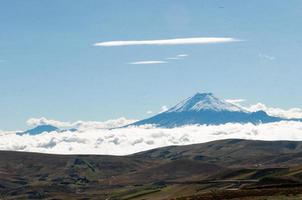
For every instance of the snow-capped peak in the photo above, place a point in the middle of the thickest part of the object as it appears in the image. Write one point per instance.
(205, 101)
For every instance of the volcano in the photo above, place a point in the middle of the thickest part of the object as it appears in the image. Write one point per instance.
(206, 108)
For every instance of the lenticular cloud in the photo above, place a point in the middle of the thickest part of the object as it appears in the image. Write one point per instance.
(123, 141)
(176, 41)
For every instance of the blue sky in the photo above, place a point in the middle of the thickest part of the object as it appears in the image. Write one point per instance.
(49, 66)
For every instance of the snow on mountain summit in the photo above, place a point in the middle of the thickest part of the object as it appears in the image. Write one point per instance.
(205, 108)
(205, 101)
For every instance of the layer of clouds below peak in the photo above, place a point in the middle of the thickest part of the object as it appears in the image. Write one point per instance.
(93, 137)
(123, 141)
(81, 125)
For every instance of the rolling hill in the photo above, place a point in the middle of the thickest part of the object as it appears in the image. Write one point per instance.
(222, 166)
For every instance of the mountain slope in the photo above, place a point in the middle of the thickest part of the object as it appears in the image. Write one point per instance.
(233, 152)
(205, 101)
(205, 108)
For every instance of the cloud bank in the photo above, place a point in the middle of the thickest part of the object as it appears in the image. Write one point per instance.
(177, 41)
(81, 125)
(292, 113)
(93, 137)
(278, 112)
(124, 141)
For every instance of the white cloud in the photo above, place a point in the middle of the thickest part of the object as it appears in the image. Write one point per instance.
(113, 123)
(129, 140)
(235, 101)
(81, 125)
(163, 109)
(292, 113)
(268, 57)
(182, 55)
(238, 102)
(174, 58)
(178, 57)
(149, 112)
(44, 121)
(3, 133)
(94, 137)
(147, 62)
(278, 112)
(177, 41)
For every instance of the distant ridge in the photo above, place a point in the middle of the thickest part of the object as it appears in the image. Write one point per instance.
(40, 129)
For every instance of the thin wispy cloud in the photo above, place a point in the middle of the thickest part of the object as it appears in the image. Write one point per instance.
(235, 101)
(174, 58)
(147, 62)
(178, 57)
(267, 57)
(177, 41)
(163, 108)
